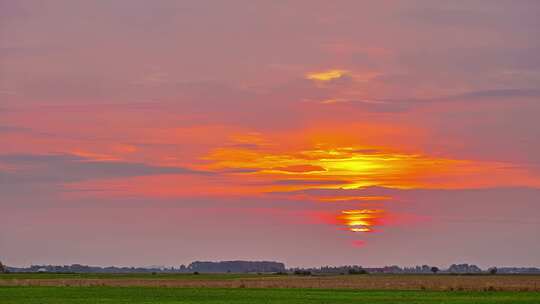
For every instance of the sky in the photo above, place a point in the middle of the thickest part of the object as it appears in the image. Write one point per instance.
(308, 132)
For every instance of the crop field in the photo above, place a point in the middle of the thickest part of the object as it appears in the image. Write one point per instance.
(359, 282)
(61, 295)
(255, 288)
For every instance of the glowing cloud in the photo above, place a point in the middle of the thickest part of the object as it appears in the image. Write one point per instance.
(358, 167)
(354, 198)
(300, 169)
(326, 75)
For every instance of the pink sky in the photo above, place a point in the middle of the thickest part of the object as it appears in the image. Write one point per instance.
(308, 132)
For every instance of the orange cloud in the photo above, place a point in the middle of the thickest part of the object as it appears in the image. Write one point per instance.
(326, 75)
(299, 169)
(360, 167)
(348, 157)
(354, 198)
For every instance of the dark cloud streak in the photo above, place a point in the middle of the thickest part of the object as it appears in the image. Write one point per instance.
(65, 168)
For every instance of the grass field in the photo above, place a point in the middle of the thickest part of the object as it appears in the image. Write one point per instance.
(61, 295)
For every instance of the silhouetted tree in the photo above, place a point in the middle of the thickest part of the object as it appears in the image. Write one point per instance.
(2, 268)
(434, 269)
(302, 272)
(492, 270)
(357, 271)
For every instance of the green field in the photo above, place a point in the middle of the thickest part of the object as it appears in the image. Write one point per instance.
(60, 295)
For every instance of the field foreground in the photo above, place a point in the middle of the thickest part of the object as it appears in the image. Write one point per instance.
(61, 295)
(359, 282)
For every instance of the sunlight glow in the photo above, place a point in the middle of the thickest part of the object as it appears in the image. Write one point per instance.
(353, 167)
(361, 220)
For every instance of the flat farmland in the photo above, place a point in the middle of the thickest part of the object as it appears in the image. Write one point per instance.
(357, 282)
(135, 295)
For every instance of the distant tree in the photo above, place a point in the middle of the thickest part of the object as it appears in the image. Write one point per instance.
(302, 272)
(3, 269)
(357, 271)
(492, 270)
(434, 269)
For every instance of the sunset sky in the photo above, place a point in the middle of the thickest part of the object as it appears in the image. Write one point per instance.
(309, 132)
